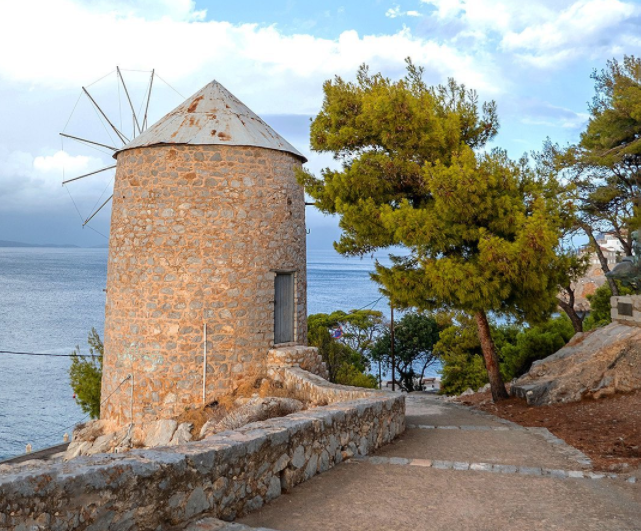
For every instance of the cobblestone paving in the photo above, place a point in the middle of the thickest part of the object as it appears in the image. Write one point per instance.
(533, 481)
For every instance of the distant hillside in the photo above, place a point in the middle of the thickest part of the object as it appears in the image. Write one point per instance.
(5, 243)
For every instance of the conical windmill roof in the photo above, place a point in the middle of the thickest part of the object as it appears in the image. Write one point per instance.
(213, 116)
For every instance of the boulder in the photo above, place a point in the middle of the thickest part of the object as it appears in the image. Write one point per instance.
(592, 365)
(89, 431)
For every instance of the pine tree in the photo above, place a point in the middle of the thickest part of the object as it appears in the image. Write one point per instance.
(478, 228)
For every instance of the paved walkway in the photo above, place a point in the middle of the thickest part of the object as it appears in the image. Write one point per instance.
(456, 468)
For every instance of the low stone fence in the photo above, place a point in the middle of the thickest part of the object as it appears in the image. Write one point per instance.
(223, 476)
(306, 358)
(626, 309)
(314, 389)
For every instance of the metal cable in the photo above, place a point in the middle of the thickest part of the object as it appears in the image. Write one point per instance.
(172, 88)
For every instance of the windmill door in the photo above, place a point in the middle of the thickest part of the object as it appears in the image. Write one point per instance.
(284, 308)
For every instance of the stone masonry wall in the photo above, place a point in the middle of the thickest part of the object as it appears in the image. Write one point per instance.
(633, 303)
(306, 358)
(224, 476)
(197, 235)
(317, 390)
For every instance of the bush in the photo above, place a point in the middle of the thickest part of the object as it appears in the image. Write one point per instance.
(532, 344)
(462, 360)
(600, 306)
(345, 364)
(85, 375)
(461, 356)
(351, 375)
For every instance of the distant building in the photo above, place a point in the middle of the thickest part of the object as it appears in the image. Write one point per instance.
(594, 278)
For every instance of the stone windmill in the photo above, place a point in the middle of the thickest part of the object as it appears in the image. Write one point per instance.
(207, 265)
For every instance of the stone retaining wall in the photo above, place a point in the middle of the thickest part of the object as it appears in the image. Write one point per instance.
(626, 309)
(223, 476)
(316, 390)
(306, 358)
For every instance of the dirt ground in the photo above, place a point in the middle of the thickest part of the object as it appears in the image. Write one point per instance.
(607, 430)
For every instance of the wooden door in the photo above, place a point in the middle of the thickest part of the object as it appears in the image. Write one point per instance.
(284, 308)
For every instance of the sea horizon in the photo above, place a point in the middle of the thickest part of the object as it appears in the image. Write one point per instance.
(50, 299)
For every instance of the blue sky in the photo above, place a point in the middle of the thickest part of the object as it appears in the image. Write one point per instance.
(534, 58)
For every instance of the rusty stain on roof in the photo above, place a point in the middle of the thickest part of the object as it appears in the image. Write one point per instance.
(212, 116)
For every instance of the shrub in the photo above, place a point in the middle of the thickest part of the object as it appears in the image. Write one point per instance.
(85, 375)
(600, 306)
(532, 344)
(351, 375)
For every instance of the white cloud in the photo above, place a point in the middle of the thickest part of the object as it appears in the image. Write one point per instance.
(70, 43)
(62, 161)
(585, 27)
(543, 33)
(395, 12)
(149, 9)
(29, 183)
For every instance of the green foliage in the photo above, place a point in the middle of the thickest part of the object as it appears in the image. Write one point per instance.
(480, 229)
(414, 339)
(459, 350)
(614, 129)
(85, 375)
(600, 306)
(351, 375)
(462, 361)
(345, 358)
(531, 344)
(607, 160)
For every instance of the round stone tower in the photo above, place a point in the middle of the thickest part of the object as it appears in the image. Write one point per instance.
(207, 267)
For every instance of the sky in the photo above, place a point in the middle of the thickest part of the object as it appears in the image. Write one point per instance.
(533, 58)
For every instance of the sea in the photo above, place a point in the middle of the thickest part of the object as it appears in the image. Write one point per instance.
(51, 298)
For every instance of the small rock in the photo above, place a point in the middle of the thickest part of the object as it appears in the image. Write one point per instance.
(160, 433)
(182, 435)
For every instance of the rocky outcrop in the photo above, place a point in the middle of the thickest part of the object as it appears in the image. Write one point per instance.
(96, 437)
(594, 364)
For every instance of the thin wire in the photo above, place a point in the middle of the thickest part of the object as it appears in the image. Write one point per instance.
(172, 88)
(103, 124)
(119, 102)
(73, 110)
(144, 98)
(103, 77)
(367, 305)
(93, 208)
(45, 354)
(74, 203)
(134, 70)
(110, 153)
(97, 232)
(87, 415)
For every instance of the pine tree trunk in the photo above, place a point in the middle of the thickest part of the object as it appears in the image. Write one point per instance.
(602, 260)
(491, 359)
(568, 308)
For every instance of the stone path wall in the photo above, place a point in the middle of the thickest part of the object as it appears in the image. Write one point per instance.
(306, 358)
(316, 390)
(223, 476)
